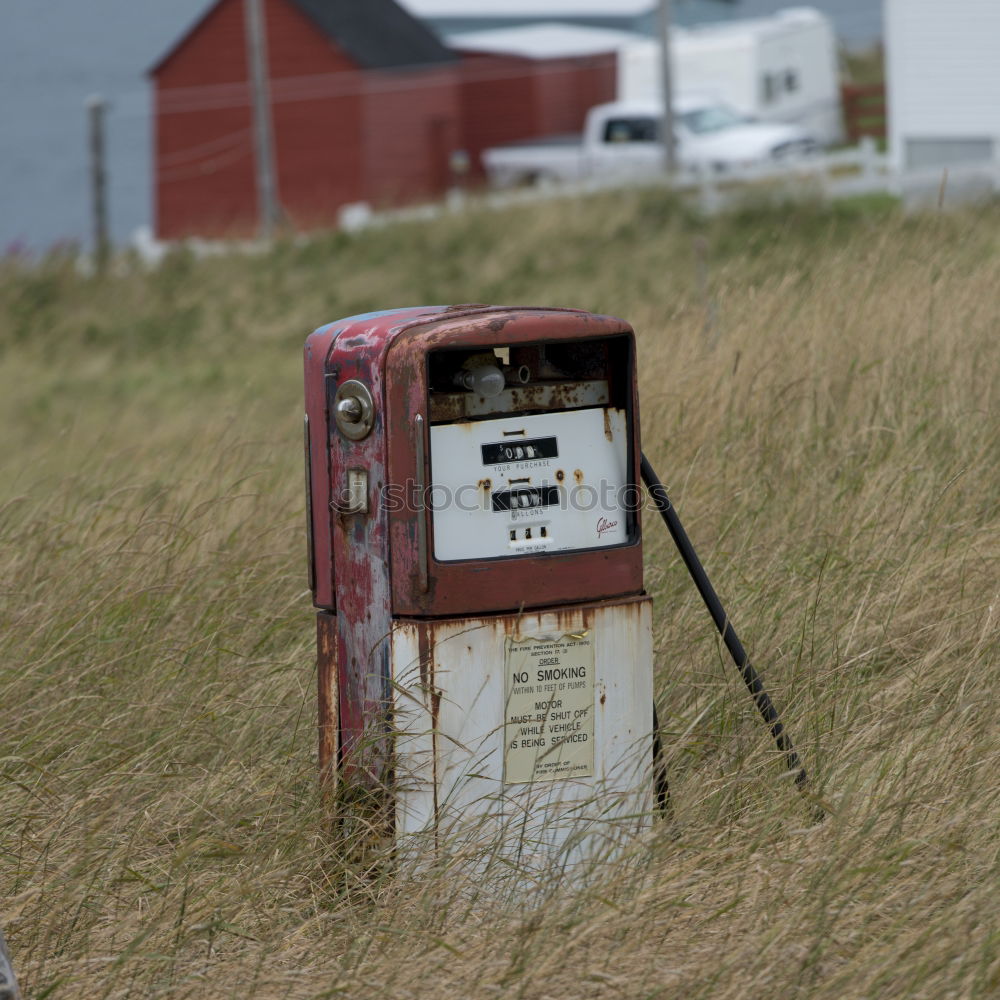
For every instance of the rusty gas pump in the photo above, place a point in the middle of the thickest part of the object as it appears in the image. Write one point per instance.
(484, 639)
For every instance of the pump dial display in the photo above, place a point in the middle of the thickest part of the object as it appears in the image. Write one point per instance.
(521, 485)
(519, 451)
(526, 498)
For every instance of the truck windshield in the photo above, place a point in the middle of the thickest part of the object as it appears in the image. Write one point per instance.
(713, 118)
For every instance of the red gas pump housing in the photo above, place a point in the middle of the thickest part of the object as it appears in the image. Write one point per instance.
(391, 398)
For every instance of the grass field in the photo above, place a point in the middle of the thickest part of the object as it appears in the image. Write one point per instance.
(822, 399)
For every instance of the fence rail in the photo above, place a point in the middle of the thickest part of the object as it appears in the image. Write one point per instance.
(844, 173)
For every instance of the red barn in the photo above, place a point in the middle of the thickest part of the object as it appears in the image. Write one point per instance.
(366, 105)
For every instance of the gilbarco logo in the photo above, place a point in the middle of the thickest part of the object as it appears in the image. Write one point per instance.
(604, 525)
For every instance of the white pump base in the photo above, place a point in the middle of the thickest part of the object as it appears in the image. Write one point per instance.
(526, 737)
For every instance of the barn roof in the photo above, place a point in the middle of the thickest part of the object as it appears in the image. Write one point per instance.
(549, 9)
(376, 34)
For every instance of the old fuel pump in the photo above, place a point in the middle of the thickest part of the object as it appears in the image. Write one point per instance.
(484, 640)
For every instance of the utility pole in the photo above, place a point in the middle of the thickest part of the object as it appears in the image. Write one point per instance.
(267, 197)
(667, 90)
(96, 106)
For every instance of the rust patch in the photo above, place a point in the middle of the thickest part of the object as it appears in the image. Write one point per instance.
(497, 324)
(604, 697)
(560, 475)
(578, 475)
(607, 424)
(425, 652)
(486, 484)
(446, 407)
(328, 701)
(568, 617)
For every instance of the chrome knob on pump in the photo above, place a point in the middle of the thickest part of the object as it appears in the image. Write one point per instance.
(354, 410)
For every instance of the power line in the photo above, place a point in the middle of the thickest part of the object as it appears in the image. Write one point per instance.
(210, 166)
(204, 148)
(348, 83)
(345, 83)
(232, 147)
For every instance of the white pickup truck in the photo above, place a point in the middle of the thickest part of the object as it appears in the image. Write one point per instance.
(622, 138)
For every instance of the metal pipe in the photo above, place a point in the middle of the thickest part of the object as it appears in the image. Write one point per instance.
(658, 493)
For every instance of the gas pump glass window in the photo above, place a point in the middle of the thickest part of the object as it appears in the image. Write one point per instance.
(530, 449)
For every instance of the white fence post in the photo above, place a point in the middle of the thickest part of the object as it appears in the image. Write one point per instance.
(868, 157)
(708, 195)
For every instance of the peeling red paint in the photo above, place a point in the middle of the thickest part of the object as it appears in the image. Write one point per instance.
(350, 551)
(326, 682)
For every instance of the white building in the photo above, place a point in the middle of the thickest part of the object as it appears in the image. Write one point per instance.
(943, 82)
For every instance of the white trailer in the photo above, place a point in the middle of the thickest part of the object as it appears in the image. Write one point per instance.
(779, 69)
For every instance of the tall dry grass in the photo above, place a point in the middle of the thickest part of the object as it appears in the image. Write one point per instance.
(832, 445)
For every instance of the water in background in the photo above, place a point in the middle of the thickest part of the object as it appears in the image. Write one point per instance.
(55, 53)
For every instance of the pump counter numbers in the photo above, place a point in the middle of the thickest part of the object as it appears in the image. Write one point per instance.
(526, 498)
(521, 451)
